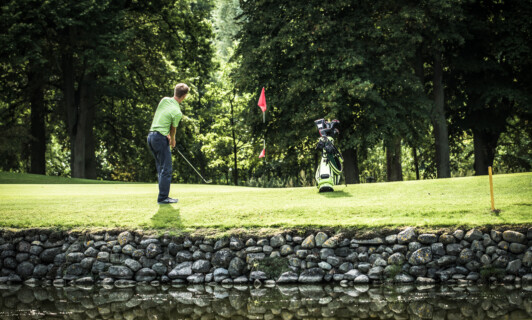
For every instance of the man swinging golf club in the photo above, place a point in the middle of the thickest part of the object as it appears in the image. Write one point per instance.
(162, 137)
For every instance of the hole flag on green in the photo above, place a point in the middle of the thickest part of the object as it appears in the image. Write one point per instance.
(262, 101)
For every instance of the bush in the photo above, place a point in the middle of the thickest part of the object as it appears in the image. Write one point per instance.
(272, 267)
(490, 271)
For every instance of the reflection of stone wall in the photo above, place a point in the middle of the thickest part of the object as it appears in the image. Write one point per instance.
(282, 302)
(402, 257)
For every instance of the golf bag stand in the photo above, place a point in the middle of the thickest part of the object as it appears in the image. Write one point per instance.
(331, 163)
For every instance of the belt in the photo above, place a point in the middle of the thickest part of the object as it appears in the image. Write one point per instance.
(155, 132)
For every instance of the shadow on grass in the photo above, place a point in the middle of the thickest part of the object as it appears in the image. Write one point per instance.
(167, 217)
(336, 194)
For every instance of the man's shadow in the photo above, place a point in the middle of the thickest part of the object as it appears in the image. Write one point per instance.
(335, 194)
(167, 217)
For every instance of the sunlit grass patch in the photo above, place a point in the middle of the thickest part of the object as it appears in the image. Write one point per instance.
(39, 201)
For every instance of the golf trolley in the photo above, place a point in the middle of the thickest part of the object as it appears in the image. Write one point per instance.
(331, 164)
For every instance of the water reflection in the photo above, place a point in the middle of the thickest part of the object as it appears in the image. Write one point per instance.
(283, 302)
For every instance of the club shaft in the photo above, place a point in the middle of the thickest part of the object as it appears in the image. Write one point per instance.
(190, 164)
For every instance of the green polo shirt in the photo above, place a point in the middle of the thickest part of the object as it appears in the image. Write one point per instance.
(168, 113)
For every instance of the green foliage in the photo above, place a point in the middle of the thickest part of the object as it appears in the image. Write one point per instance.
(487, 272)
(12, 152)
(513, 152)
(393, 271)
(272, 267)
(368, 64)
(173, 48)
(225, 27)
(227, 144)
(57, 158)
(490, 80)
(128, 54)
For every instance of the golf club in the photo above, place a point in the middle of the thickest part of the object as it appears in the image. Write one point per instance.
(206, 181)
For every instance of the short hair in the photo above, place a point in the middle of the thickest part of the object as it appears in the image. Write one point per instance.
(180, 90)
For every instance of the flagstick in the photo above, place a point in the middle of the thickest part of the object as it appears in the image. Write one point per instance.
(264, 141)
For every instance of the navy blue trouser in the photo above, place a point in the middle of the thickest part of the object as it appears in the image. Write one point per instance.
(160, 147)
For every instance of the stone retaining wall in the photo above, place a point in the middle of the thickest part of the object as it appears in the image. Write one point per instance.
(403, 257)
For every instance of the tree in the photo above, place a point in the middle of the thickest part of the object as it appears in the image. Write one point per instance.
(107, 63)
(344, 60)
(227, 142)
(26, 54)
(491, 74)
(441, 27)
(310, 57)
(171, 45)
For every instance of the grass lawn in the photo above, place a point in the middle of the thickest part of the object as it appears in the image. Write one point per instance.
(38, 201)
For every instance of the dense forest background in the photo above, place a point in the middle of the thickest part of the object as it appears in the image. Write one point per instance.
(423, 89)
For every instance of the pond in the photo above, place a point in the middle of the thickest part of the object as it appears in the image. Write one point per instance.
(278, 302)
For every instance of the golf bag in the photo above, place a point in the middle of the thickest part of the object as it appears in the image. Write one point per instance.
(331, 163)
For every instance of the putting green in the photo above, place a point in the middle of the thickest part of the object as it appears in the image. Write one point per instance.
(427, 203)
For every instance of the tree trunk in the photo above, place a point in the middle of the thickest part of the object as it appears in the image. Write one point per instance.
(90, 148)
(416, 162)
(419, 69)
(88, 110)
(199, 155)
(394, 171)
(487, 123)
(79, 112)
(235, 149)
(352, 173)
(82, 127)
(420, 73)
(69, 103)
(38, 128)
(439, 122)
(484, 144)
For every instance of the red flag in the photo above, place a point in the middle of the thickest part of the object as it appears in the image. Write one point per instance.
(262, 101)
(263, 153)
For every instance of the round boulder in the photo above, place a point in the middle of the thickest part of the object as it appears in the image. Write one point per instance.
(277, 241)
(427, 238)
(421, 256)
(124, 238)
(222, 258)
(313, 275)
(201, 266)
(120, 272)
(146, 275)
(466, 256)
(514, 236)
(309, 242)
(25, 269)
(152, 250)
(406, 236)
(236, 267)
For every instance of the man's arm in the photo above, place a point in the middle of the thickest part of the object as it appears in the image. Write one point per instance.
(171, 136)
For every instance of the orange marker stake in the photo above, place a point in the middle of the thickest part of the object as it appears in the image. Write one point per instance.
(491, 189)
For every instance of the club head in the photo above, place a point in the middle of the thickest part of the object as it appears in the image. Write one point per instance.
(208, 181)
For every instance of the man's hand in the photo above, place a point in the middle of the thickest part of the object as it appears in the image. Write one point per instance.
(171, 140)
(171, 136)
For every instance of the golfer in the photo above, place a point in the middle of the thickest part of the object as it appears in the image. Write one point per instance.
(162, 137)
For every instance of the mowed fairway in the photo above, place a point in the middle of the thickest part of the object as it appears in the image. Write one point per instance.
(39, 201)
